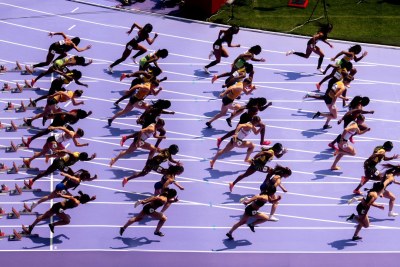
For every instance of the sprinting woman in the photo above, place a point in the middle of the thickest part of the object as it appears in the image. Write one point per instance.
(224, 36)
(140, 140)
(150, 205)
(59, 210)
(252, 210)
(260, 160)
(61, 48)
(322, 35)
(241, 132)
(134, 44)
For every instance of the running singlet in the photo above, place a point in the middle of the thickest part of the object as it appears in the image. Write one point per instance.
(147, 135)
(264, 158)
(235, 91)
(243, 133)
(375, 160)
(61, 137)
(68, 160)
(349, 134)
(335, 88)
(62, 98)
(143, 91)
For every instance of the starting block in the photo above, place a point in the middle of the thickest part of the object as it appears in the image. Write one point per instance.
(2, 212)
(10, 107)
(6, 88)
(13, 147)
(17, 236)
(16, 191)
(16, 214)
(25, 168)
(3, 167)
(3, 191)
(12, 128)
(13, 170)
(27, 188)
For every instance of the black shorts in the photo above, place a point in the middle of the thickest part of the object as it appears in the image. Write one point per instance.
(55, 48)
(56, 208)
(148, 209)
(226, 101)
(134, 99)
(371, 173)
(133, 44)
(250, 211)
(245, 118)
(327, 99)
(361, 209)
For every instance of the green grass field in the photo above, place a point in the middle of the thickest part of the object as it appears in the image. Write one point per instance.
(371, 21)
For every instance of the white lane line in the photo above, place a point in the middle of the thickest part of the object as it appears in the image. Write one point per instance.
(161, 34)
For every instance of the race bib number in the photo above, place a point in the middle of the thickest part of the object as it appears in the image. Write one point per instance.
(239, 143)
(376, 173)
(217, 47)
(253, 212)
(129, 47)
(345, 146)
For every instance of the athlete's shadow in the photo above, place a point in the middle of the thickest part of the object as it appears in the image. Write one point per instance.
(326, 154)
(119, 174)
(301, 113)
(114, 131)
(45, 241)
(345, 198)
(342, 244)
(321, 174)
(232, 197)
(215, 94)
(310, 133)
(117, 73)
(208, 132)
(202, 75)
(211, 114)
(135, 196)
(291, 75)
(134, 242)
(233, 244)
(216, 174)
(374, 220)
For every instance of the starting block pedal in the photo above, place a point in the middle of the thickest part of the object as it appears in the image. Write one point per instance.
(28, 86)
(10, 107)
(27, 188)
(3, 167)
(12, 128)
(17, 214)
(13, 147)
(17, 236)
(2, 213)
(3, 191)
(1, 126)
(16, 191)
(6, 88)
(25, 168)
(13, 170)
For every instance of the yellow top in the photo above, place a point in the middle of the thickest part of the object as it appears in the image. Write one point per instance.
(63, 98)
(235, 90)
(143, 91)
